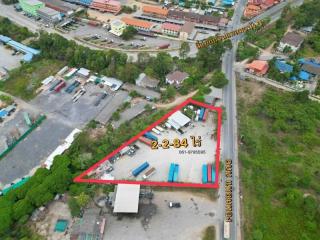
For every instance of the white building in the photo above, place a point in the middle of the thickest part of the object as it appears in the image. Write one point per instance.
(178, 120)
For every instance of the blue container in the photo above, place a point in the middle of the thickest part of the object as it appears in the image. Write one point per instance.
(171, 172)
(176, 173)
(204, 174)
(201, 114)
(150, 136)
(139, 169)
(213, 173)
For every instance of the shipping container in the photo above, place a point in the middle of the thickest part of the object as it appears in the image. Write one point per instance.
(176, 173)
(160, 128)
(156, 131)
(60, 86)
(149, 173)
(54, 84)
(27, 119)
(139, 169)
(171, 172)
(226, 230)
(168, 125)
(201, 114)
(206, 112)
(204, 174)
(164, 46)
(209, 173)
(213, 173)
(150, 136)
(145, 140)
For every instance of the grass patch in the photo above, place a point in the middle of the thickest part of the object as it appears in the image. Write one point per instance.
(279, 155)
(209, 233)
(245, 51)
(24, 81)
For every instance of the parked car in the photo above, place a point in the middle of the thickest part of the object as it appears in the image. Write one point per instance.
(174, 205)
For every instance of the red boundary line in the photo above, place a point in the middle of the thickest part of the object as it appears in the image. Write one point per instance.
(79, 179)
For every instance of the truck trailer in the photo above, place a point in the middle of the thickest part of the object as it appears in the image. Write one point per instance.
(171, 172)
(156, 131)
(54, 84)
(60, 86)
(213, 174)
(149, 173)
(226, 230)
(139, 169)
(145, 140)
(201, 114)
(209, 173)
(204, 173)
(150, 136)
(176, 173)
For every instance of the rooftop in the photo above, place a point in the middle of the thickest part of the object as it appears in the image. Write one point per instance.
(136, 22)
(155, 10)
(127, 198)
(177, 76)
(283, 66)
(293, 39)
(48, 11)
(171, 26)
(259, 65)
(187, 27)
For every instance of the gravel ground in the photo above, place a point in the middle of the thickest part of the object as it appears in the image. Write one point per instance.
(190, 164)
(156, 221)
(7, 60)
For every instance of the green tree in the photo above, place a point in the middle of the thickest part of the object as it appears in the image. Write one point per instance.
(169, 93)
(219, 80)
(21, 208)
(5, 215)
(128, 33)
(184, 50)
(82, 200)
(162, 65)
(74, 207)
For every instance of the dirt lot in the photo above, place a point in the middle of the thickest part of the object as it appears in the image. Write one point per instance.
(57, 210)
(190, 162)
(157, 221)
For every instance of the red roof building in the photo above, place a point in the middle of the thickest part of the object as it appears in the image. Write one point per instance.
(155, 11)
(171, 29)
(111, 6)
(258, 67)
(138, 24)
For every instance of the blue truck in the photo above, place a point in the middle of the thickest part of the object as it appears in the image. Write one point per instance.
(204, 173)
(176, 173)
(150, 136)
(171, 172)
(139, 169)
(72, 86)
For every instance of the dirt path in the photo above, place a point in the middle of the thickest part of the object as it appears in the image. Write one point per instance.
(177, 101)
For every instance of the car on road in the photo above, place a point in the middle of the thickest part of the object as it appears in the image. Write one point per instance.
(174, 205)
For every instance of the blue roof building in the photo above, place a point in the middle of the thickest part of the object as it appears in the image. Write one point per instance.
(304, 76)
(283, 66)
(3, 113)
(228, 2)
(29, 52)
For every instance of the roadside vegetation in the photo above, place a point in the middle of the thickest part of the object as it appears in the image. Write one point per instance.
(209, 233)
(15, 32)
(245, 51)
(17, 206)
(279, 156)
(24, 81)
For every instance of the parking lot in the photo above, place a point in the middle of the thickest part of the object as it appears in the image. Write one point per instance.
(7, 60)
(190, 162)
(79, 113)
(157, 221)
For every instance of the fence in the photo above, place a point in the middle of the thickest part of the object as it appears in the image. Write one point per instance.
(23, 136)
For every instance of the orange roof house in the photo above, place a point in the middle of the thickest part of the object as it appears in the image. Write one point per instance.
(258, 67)
(252, 11)
(157, 11)
(136, 23)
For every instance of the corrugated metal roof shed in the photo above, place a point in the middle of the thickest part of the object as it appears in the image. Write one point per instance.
(127, 198)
